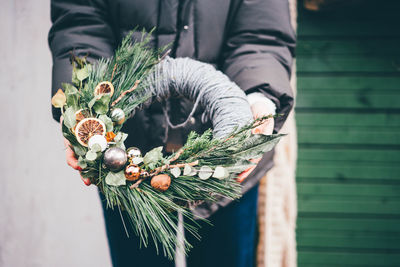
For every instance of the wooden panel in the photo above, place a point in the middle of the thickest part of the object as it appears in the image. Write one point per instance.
(359, 47)
(348, 259)
(347, 154)
(348, 170)
(349, 239)
(348, 117)
(315, 204)
(348, 135)
(349, 82)
(343, 63)
(382, 225)
(369, 119)
(313, 25)
(358, 190)
(363, 99)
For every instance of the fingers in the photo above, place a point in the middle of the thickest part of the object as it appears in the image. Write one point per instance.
(73, 161)
(243, 175)
(266, 128)
(259, 110)
(70, 155)
(86, 181)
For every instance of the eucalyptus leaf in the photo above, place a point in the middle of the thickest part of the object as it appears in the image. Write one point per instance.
(69, 117)
(96, 148)
(121, 145)
(92, 101)
(176, 172)
(108, 122)
(137, 160)
(220, 173)
(120, 137)
(91, 155)
(153, 157)
(101, 104)
(69, 88)
(205, 172)
(115, 178)
(72, 95)
(189, 170)
(75, 79)
(79, 150)
(82, 74)
(81, 162)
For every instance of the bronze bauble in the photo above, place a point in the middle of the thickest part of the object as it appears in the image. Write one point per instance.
(132, 172)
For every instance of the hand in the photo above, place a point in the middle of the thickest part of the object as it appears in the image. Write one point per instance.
(259, 110)
(72, 160)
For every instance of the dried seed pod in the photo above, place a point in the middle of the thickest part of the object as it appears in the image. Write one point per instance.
(161, 182)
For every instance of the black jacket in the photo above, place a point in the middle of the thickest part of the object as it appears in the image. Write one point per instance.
(251, 41)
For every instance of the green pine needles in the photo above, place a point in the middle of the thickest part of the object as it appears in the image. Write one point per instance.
(151, 189)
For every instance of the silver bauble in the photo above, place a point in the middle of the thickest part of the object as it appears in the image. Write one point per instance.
(117, 115)
(133, 152)
(115, 158)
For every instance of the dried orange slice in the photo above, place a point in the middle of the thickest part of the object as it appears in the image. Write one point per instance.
(81, 114)
(104, 88)
(88, 127)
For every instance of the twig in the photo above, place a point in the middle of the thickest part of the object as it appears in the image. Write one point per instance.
(177, 155)
(138, 182)
(125, 92)
(112, 74)
(164, 56)
(167, 166)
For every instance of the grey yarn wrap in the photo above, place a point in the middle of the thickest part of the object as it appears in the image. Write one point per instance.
(225, 104)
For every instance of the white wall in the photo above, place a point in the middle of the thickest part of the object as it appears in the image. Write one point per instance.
(47, 216)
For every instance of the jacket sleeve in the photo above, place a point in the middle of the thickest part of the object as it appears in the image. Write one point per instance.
(81, 27)
(259, 50)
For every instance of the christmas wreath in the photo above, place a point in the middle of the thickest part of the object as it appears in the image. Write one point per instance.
(151, 188)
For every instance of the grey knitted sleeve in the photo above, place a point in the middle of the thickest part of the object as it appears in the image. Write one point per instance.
(224, 102)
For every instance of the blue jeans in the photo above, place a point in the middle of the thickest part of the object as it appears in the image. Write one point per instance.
(230, 242)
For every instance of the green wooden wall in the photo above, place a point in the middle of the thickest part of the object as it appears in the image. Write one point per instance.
(348, 118)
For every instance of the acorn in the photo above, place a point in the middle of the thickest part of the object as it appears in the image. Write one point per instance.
(161, 182)
(132, 172)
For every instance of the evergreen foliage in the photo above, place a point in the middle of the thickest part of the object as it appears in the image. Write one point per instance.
(205, 169)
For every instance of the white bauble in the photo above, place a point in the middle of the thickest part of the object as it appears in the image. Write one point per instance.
(98, 139)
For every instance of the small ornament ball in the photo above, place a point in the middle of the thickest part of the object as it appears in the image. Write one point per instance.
(98, 139)
(132, 172)
(133, 152)
(115, 158)
(118, 116)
